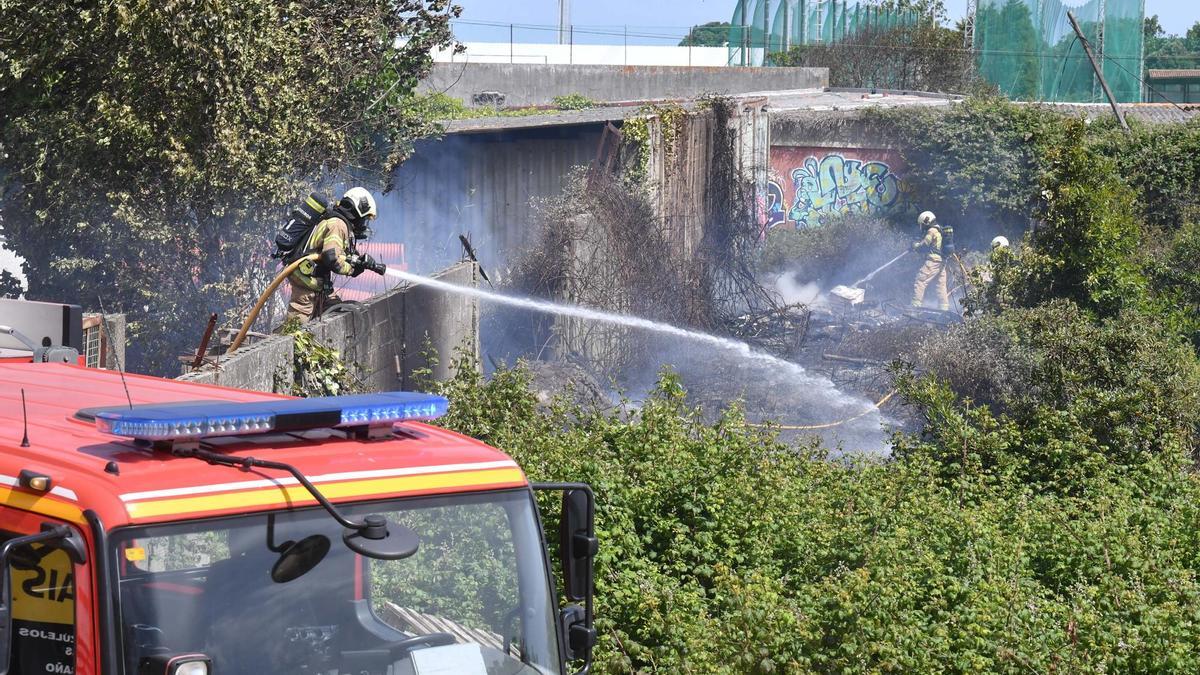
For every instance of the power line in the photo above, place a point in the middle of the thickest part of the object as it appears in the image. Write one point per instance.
(1144, 83)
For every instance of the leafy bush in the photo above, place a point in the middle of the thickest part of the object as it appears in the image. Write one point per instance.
(976, 164)
(1086, 244)
(1162, 164)
(318, 370)
(1175, 280)
(159, 171)
(573, 102)
(724, 551)
(1086, 395)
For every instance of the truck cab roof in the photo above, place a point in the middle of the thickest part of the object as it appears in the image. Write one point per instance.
(125, 482)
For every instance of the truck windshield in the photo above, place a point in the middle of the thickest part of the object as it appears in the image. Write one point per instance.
(477, 590)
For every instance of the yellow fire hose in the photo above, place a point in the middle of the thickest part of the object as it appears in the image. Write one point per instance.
(262, 300)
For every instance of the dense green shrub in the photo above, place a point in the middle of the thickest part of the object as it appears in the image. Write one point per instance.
(976, 164)
(725, 551)
(1085, 395)
(574, 102)
(1086, 244)
(1162, 163)
(1175, 280)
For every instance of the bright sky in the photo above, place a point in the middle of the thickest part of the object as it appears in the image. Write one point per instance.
(672, 17)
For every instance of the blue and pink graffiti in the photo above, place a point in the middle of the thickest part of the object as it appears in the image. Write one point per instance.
(835, 185)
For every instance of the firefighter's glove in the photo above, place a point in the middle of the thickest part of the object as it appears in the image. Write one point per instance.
(357, 264)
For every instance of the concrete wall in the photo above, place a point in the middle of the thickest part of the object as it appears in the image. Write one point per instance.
(384, 336)
(827, 163)
(613, 55)
(678, 172)
(482, 185)
(531, 84)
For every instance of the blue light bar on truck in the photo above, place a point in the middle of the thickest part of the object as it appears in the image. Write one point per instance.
(203, 419)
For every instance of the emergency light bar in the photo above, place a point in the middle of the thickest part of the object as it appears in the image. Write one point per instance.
(204, 419)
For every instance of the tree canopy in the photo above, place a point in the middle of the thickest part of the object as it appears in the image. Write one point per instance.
(1171, 51)
(147, 150)
(711, 34)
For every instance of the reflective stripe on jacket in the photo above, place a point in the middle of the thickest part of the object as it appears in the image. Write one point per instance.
(331, 234)
(931, 244)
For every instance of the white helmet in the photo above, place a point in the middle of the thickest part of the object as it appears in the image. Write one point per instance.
(1000, 242)
(926, 219)
(360, 202)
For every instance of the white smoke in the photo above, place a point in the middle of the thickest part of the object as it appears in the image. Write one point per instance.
(792, 291)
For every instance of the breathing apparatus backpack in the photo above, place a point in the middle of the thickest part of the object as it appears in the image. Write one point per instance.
(947, 240)
(289, 242)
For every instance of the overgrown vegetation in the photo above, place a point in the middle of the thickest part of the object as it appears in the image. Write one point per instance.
(1042, 518)
(318, 370)
(981, 164)
(148, 150)
(937, 560)
(924, 56)
(573, 102)
(443, 107)
(605, 244)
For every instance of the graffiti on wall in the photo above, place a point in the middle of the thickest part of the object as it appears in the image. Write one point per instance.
(803, 192)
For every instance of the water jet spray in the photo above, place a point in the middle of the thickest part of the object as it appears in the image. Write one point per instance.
(795, 375)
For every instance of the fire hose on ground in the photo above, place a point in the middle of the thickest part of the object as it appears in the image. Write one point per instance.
(262, 300)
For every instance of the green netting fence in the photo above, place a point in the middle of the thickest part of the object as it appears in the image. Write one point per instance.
(760, 28)
(1025, 47)
(1029, 50)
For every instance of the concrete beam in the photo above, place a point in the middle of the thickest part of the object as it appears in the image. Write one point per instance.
(536, 84)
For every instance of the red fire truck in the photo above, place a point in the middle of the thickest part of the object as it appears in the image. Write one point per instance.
(156, 527)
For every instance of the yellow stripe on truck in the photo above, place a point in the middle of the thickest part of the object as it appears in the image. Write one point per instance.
(296, 494)
(18, 499)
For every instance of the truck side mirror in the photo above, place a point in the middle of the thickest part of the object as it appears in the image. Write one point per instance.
(577, 543)
(52, 536)
(577, 549)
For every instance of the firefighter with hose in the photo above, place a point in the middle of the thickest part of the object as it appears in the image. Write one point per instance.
(936, 244)
(333, 239)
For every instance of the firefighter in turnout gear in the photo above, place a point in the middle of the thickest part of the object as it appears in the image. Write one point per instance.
(934, 270)
(333, 238)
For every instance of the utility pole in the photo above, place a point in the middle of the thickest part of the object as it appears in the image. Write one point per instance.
(803, 28)
(564, 20)
(969, 25)
(1099, 73)
(766, 45)
(787, 28)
